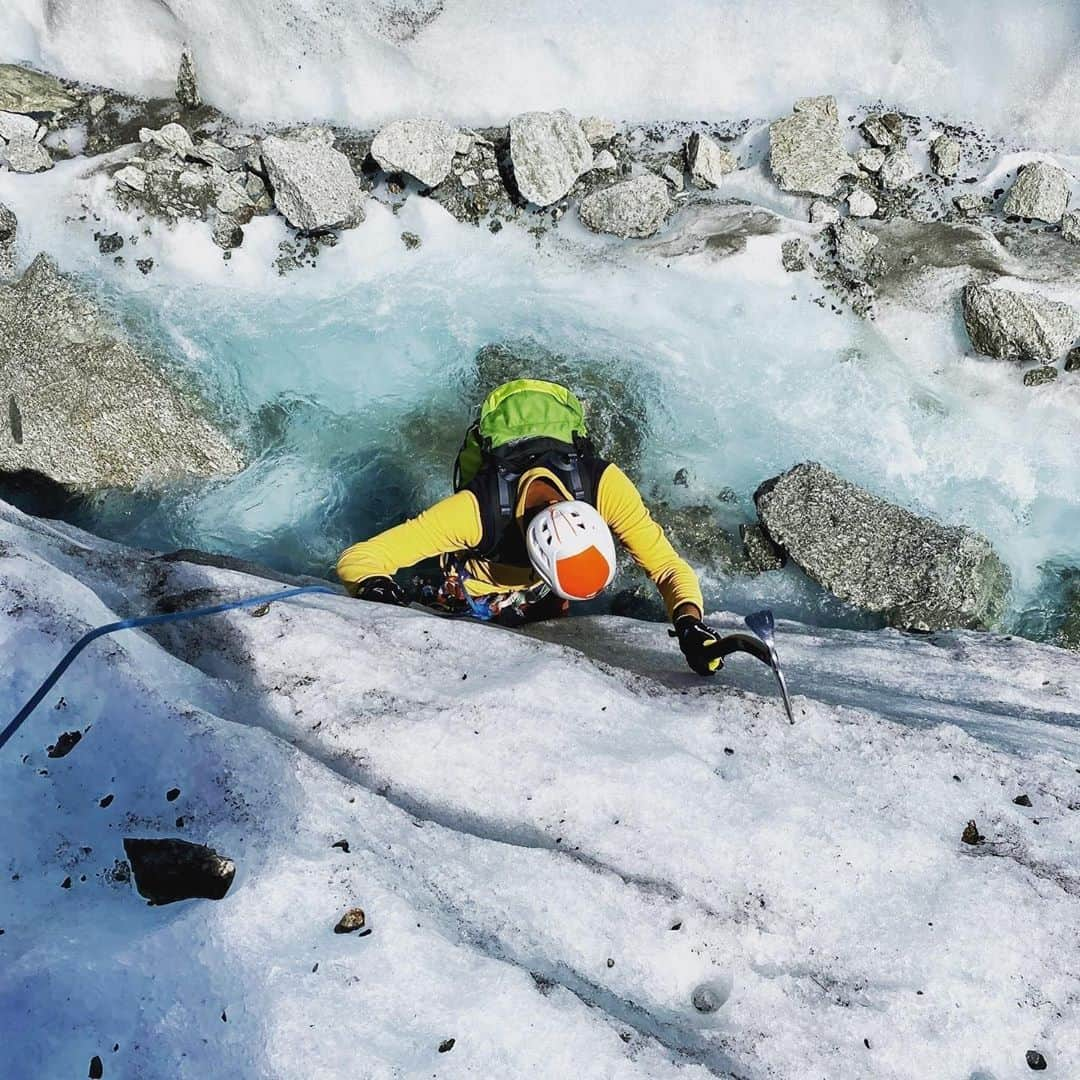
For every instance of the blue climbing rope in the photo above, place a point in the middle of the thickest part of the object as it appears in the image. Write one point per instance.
(137, 623)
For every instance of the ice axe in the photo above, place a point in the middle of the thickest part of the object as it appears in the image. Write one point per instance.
(762, 645)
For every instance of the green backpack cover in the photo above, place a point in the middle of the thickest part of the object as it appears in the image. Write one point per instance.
(519, 412)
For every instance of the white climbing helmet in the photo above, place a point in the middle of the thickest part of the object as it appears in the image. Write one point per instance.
(571, 548)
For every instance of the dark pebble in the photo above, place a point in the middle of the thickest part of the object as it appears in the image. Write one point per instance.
(172, 794)
(224, 1018)
(610, 962)
(728, 750)
(446, 1045)
(97, 1070)
(676, 925)
(1035, 1060)
(1022, 800)
(66, 883)
(866, 1043)
(971, 834)
(106, 802)
(167, 870)
(343, 844)
(65, 744)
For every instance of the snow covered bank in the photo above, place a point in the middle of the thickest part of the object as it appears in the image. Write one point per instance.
(1011, 67)
(555, 842)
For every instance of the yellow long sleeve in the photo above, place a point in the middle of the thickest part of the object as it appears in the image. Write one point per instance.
(621, 506)
(452, 524)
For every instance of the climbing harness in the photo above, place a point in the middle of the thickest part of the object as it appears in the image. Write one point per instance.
(139, 622)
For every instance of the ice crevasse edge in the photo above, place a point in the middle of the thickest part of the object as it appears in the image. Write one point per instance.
(1012, 68)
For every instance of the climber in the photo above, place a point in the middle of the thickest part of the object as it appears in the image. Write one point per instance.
(529, 526)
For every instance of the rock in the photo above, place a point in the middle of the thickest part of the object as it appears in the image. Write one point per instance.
(8, 227)
(761, 553)
(706, 162)
(898, 169)
(549, 151)
(793, 254)
(1070, 226)
(1041, 191)
(919, 574)
(970, 205)
(1040, 376)
(806, 149)
(870, 159)
(25, 155)
(1022, 800)
(313, 184)
(109, 243)
(673, 176)
(172, 138)
(636, 207)
(823, 213)
(26, 91)
(353, 920)
(971, 834)
(94, 413)
(604, 162)
(167, 870)
(945, 156)
(187, 87)
(227, 233)
(422, 148)
(63, 746)
(410, 240)
(598, 132)
(130, 177)
(446, 1046)
(861, 203)
(213, 154)
(854, 249)
(1072, 360)
(97, 1069)
(14, 124)
(144, 265)
(1014, 325)
(883, 130)
(1035, 1060)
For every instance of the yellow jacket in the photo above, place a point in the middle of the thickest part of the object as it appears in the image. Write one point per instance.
(455, 525)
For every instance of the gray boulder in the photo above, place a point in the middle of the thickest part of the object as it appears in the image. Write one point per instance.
(1070, 226)
(883, 130)
(313, 184)
(919, 574)
(83, 407)
(422, 148)
(945, 156)
(187, 86)
(707, 162)
(855, 249)
(870, 158)
(1041, 191)
(548, 151)
(25, 155)
(597, 130)
(26, 91)
(636, 207)
(1018, 326)
(13, 124)
(806, 149)
(898, 169)
(861, 203)
(760, 552)
(794, 254)
(8, 227)
(172, 138)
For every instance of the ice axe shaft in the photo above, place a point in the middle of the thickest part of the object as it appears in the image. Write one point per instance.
(762, 626)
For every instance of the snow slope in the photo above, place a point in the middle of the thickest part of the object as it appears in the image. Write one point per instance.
(556, 840)
(1011, 67)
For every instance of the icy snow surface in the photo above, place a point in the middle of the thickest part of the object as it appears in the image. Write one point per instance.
(555, 843)
(1009, 66)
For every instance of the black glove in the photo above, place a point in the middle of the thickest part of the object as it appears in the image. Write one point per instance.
(382, 590)
(700, 644)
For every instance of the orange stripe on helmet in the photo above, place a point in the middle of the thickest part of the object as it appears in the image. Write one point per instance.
(583, 575)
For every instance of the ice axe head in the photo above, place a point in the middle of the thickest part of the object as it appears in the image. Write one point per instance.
(761, 625)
